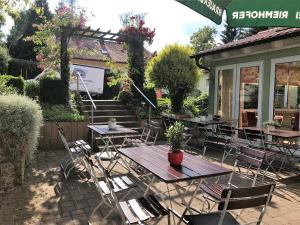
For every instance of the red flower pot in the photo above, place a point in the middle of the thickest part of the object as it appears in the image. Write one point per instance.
(175, 158)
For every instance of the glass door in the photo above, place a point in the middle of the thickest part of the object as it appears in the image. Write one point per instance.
(248, 96)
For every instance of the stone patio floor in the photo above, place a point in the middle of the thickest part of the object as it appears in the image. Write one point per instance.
(47, 198)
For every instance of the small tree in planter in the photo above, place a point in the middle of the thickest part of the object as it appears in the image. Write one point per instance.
(175, 139)
(174, 70)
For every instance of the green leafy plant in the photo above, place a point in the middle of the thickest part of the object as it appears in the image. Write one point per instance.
(174, 70)
(21, 119)
(196, 106)
(61, 113)
(272, 123)
(32, 89)
(15, 82)
(175, 136)
(52, 91)
(4, 57)
(113, 120)
(6, 90)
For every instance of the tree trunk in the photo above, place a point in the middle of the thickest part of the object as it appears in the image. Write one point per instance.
(64, 61)
(176, 101)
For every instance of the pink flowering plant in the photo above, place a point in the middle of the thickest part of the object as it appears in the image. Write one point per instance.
(133, 28)
(47, 37)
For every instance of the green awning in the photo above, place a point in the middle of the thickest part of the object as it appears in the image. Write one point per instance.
(249, 13)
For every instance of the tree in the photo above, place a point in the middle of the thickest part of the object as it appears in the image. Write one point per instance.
(25, 26)
(174, 70)
(52, 41)
(230, 34)
(3, 60)
(203, 38)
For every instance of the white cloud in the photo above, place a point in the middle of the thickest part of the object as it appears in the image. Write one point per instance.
(173, 21)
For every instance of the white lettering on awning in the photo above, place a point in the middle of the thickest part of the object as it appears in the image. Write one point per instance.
(261, 14)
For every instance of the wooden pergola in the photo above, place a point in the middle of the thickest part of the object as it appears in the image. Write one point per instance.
(98, 34)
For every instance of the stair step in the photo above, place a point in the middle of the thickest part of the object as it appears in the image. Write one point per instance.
(118, 118)
(104, 107)
(129, 124)
(110, 113)
(102, 102)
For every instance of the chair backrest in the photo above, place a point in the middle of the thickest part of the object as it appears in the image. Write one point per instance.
(250, 160)
(249, 197)
(255, 137)
(226, 130)
(154, 129)
(168, 121)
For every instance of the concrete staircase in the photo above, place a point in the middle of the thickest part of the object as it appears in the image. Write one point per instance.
(107, 109)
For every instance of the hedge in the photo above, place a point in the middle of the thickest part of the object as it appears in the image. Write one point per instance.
(52, 91)
(32, 89)
(20, 122)
(4, 56)
(28, 69)
(15, 82)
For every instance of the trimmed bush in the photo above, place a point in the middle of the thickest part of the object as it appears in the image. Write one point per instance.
(60, 113)
(4, 56)
(15, 82)
(20, 122)
(52, 91)
(174, 70)
(163, 104)
(28, 69)
(32, 89)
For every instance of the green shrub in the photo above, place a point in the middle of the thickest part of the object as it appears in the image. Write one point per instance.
(151, 95)
(20, 122)
(60, 113)
(6, 90)
(15, 82)
(28, 69)
(4, 56)
(52, 91)
(126, 97)
(32, 89)
(196, 106)
(174, 70)
(164, 104)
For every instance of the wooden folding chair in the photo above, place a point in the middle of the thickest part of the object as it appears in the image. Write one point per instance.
(234, 199)
(246, 169)
(75, 153)
(132, 211)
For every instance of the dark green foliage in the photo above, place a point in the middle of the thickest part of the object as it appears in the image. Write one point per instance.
(15, 82)
(136, 70)
(52, 91)
(32, 89)
(28, 69)
(125, 96)
(3, 60)
(151, 95)
(61, 113)
(230, 34)
(175, 136)
(18, 47)
(196, 106)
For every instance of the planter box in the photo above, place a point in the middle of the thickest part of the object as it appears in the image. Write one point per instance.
(50, 138)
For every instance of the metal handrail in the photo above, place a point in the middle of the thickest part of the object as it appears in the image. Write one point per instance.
(145, 97)
(87, 91)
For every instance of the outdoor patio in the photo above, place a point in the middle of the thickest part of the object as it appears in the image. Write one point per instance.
(48, 198)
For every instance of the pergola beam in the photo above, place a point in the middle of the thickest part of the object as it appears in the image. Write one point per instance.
(98, 34)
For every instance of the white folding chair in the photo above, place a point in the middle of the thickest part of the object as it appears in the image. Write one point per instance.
(75, 153)
(132, 211)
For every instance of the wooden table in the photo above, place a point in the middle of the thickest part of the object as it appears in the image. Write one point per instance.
(110, 150)
(155, 160)
(280, 133)
(196, 120)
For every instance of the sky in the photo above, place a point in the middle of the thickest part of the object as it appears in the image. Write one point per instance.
(174, 22)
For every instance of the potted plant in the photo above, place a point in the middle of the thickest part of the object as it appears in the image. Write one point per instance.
(112, 123)
(175, 139)
(271, 125)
